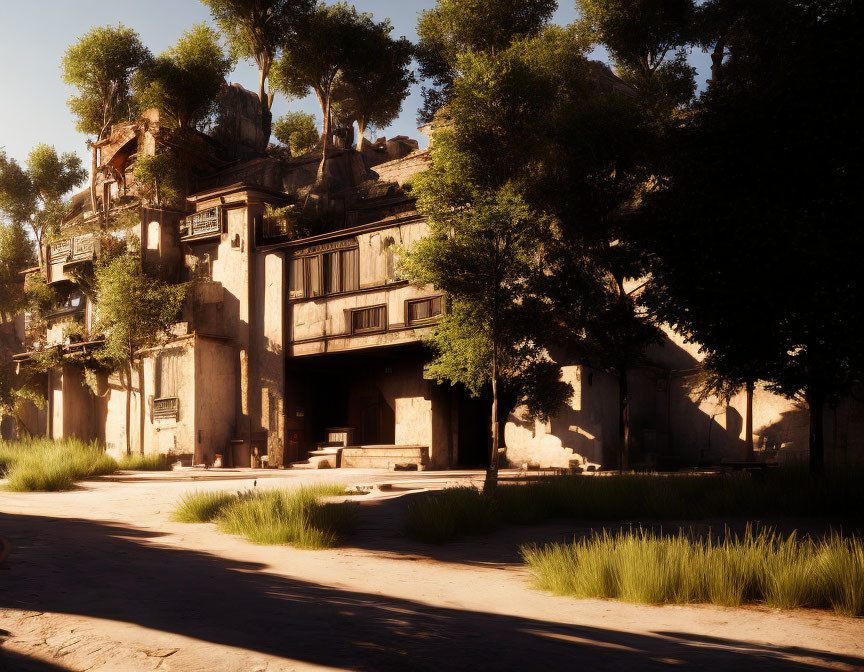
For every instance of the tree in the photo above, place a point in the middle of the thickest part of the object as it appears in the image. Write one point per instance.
(17, 390)
(35, 196)
(133, 311)
(16, 254)
(647, 40)
(157, 178)
(328, 42)
(482, 250)
(100, 66)
(297, 131)
(255, 30)
(456, 27)
(776, 294)
(184, 82)
(372, 85)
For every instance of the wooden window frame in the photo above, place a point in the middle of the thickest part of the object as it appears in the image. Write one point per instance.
(323, 274)
(375, 330)
(425, 320)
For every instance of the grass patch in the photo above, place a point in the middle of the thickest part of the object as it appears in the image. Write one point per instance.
(295, 516)
(201, 506)
(443, 515)
(149, 462)
(763, 567)
(45, 465)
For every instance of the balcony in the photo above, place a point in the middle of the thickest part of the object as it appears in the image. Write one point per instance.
(73, 250)
(204, 224)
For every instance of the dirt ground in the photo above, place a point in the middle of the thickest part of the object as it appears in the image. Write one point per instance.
(100, 579)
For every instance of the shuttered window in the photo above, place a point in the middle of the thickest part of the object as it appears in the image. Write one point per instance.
(320, 274)
(422, 309)
(368, 319)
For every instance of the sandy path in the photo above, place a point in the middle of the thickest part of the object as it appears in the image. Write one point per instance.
(100, 579)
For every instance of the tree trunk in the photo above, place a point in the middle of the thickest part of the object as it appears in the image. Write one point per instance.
(816, 402)
(749, 421)
(141, 418)
(325, 135)
(266, 100)
(492, 471)
(717, 55)
(623, 422)
(128, 409)
(361, 129)
(93, 178)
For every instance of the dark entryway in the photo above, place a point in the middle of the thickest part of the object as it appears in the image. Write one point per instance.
(474, 429)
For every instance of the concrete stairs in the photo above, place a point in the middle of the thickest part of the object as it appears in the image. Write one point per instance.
(323, 458)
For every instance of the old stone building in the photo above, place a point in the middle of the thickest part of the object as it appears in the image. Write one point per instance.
(304, 345)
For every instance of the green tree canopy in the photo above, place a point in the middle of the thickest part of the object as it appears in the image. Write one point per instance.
(297, 131)
(327, 42)
(34, 196)
(255, 30)
(184, 81)
(16, 254)
(372, 85)
(133, 311)
(455, 27)
(100, 66)
(647, 40)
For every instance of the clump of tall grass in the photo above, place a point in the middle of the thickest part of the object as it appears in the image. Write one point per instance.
(649, 568)
(439, 516)
(295, 516)
(201, 506)
(40, 464)
(784, 491)
(148, 462)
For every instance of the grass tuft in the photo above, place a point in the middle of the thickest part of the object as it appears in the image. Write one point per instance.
(149, 462)
(295, 516)
(44, 465)
(644, 567)
(201, 506)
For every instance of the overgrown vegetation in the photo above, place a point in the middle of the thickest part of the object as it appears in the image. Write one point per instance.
(761, 567)
(149, 462)
(441, 516)
(274, 517)
(44, 465)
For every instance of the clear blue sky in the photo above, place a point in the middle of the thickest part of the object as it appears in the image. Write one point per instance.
(34, 35)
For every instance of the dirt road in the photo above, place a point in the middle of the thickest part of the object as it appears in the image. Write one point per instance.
(100, 579)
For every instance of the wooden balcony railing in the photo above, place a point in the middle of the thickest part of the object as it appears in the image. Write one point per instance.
(77, 248)
(204, 223)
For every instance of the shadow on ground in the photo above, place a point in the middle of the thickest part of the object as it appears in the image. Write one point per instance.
(120, 573)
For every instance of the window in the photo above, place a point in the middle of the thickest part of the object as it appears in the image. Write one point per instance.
(422, 309)
(312, 276)
(368, 319)
(328, 273)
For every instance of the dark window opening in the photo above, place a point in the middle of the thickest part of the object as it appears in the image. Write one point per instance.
(324, 274)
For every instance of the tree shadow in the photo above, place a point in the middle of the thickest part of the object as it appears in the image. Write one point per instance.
(120, 573)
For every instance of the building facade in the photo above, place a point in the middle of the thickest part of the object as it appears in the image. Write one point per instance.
(305, 344)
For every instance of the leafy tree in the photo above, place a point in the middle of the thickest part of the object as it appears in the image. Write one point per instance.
(100, 66)
(482, 250)
(647, 40)
(297, 131)
(18, 389)
(16, 254)
(371, 87)
(184, 81)
(256, 29)
(329, 41)
(35, 195)
(455, 27)
(157, 178)
(775, 293)
(134, 311)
